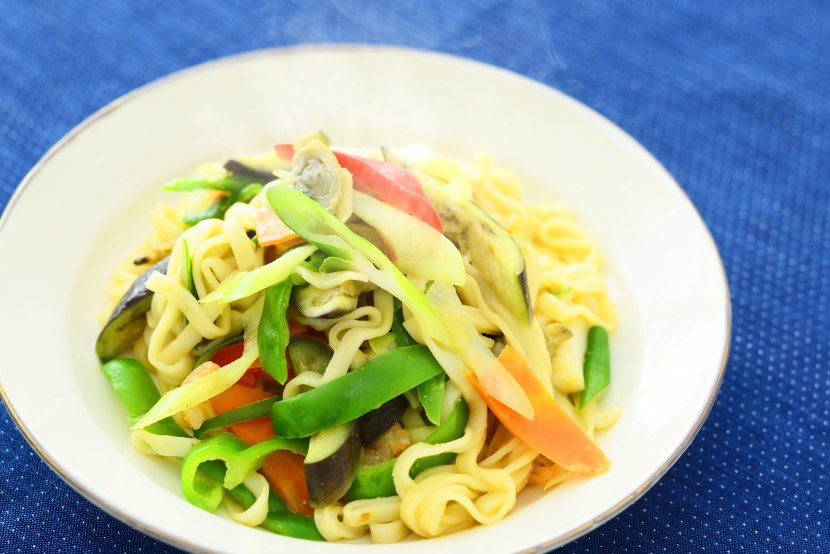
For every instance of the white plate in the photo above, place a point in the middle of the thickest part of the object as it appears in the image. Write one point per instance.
(86, 203)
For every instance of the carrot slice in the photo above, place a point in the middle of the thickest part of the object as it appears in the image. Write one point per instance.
(270, 230)
(551, 432)
(285, 151)
(282, 469)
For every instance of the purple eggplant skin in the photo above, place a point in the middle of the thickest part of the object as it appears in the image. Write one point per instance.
(127, 319)
(328, 479)
(376, 422)
(256, 175)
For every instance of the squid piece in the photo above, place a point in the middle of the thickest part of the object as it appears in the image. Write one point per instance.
(317, 174)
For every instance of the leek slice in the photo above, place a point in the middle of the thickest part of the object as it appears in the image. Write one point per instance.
(417, 249)
(246, 283)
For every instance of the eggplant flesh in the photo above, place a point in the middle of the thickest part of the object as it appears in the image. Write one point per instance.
(334, 456)
(313, 302)
(490, 248)
(309, 354)
(127, 320)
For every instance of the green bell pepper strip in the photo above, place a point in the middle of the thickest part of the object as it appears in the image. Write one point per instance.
(239, 188)
(260, 408)
(247, 194)
(287, 523)
(431, 395)
(279, 520)
(219, 207)
(273, 333)
(226, 183)
(356, 393)
(376, 481)
(138, 393)
(597, 365)
(214, 211)
(402, 337)
(431, 391)
(240, 461)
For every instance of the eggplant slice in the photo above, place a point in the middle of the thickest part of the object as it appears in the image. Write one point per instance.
(490, 248)
(309, 354)
(127, 319)
(255, 174)
(334, 455)
(376, 422)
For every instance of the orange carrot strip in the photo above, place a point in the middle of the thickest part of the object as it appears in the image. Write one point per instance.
(551, 432)
(285, 245)
(285, 473)
(270, 230)
(282, 469)
(236, 396)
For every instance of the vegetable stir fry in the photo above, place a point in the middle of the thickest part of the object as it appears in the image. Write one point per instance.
(338, 342)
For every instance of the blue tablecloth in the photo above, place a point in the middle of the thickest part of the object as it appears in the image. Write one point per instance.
(734, 99)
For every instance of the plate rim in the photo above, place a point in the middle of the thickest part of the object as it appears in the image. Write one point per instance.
(334, 47)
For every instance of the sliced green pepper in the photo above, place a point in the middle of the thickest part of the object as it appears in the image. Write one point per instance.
(431, 395)
(138, 393)
(273, 333)
(402, 337)
(376, 480)
(431, 391)
(247, 193)
(597, 367)
(355, 393)
(279, 520)
(226, 183)
(214, 211)
(287, 522)
(240, 461)
(260, 408)
(219, 207)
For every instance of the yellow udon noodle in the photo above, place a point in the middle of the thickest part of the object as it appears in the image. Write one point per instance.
(566, 286)
(177, 322)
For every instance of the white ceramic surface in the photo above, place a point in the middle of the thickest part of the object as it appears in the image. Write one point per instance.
(85, 205)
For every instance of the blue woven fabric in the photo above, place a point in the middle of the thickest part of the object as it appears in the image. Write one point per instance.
(732, 97)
